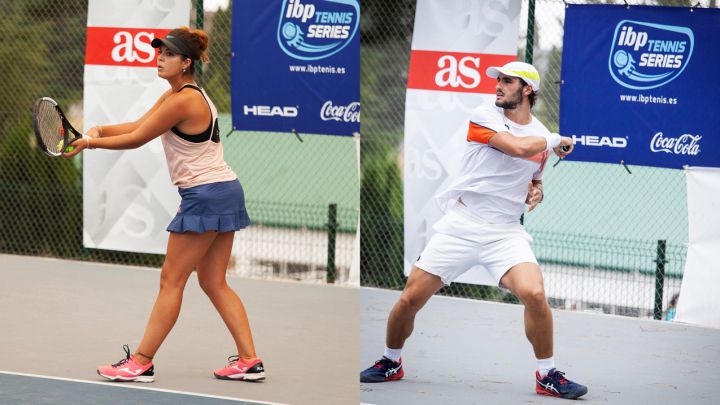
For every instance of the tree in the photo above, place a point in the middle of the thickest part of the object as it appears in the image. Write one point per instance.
(41, 54)
(386, 29)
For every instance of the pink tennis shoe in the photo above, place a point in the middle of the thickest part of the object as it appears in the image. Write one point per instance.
(128, 369)
(239, 369)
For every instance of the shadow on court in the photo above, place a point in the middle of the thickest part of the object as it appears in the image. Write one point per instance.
(475, 352)
(64, 318)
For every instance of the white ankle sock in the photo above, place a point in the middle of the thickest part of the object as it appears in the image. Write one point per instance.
(545, 365)
(392, 354)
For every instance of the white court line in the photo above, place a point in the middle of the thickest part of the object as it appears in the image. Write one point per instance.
(135, 387)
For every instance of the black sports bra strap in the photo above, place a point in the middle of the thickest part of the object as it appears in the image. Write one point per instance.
(211, 133)
(192, 86)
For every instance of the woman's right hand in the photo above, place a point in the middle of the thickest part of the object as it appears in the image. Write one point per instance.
(78, 146)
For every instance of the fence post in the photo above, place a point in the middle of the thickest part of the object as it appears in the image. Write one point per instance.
(659, 279)
(200, 24)
(332, 232)
(530, 43)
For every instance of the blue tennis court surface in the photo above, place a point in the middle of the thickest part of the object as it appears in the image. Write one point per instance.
(39, 390)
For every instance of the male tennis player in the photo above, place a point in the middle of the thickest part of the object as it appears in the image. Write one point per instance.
(500, 172)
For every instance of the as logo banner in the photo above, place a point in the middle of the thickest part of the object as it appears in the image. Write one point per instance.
(128, 198)
(110, 46)
(636, 85)
(453, 71)
(453, 44)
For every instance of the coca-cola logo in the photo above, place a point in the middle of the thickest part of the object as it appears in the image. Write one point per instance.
(345, 113)
(685, 144)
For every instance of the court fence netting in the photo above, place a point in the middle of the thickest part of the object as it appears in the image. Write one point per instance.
(608, 241)
(303, 197)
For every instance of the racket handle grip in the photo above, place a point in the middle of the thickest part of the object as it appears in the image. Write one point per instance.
(565, 148)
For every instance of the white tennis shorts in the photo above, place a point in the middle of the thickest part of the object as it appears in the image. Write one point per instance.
(460, 242)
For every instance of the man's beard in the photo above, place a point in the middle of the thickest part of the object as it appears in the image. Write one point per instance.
(510, 102)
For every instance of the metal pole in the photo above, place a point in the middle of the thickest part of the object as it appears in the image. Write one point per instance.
(200, 24)
(332, 232)
(659, 279)
(530, 33)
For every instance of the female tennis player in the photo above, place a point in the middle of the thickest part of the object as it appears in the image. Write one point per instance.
(211, 210)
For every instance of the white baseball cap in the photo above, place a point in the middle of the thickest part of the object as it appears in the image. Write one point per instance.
(523, 70)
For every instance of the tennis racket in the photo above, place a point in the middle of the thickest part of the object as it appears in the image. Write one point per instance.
(53, 131)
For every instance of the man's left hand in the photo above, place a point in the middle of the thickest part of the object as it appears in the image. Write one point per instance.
(534, 196)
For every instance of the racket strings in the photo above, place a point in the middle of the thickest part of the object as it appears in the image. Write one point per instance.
(50, 127)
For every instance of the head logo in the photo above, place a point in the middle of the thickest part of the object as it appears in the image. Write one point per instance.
(316, 29)
(592, 140)
(646, 55)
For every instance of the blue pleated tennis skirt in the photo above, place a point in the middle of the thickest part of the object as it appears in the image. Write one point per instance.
(211, 207)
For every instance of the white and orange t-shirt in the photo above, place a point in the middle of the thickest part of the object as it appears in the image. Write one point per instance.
(492, 185)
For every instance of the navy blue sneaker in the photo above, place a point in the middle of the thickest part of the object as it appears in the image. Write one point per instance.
(383, 370)
(555, 384)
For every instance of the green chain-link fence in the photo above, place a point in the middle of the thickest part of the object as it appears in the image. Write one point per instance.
(601, 234)
(290, 186)
(596, 234)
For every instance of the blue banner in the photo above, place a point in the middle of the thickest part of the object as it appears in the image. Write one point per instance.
(296, 66)
(638, 85)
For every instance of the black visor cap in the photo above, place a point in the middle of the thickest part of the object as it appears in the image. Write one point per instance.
(175, 44)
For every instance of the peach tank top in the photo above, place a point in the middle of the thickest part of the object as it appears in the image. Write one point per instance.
(194, 160)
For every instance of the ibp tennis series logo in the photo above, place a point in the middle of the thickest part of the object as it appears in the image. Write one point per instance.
(647, 55)
(316, 29)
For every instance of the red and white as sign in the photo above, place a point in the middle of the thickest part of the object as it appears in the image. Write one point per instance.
(453, 71)
(121, 189)
(453, 44)
(112, 46)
